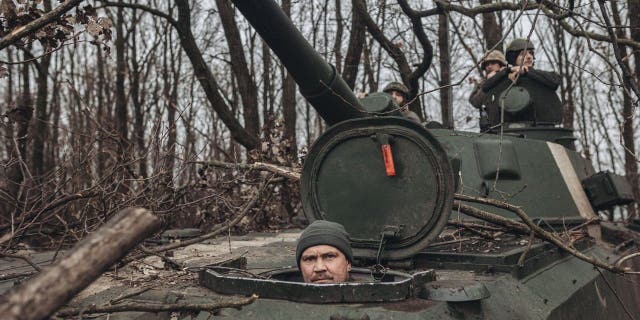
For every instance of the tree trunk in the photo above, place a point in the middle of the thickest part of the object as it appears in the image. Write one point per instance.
(101, 113)
(207, 80)
(138, 102)
(566, 87)
(20, 115)
(42, 295)
(337, 45)
(446, 99)
(634, 23)
(354, 50)
(8, 203)
(169, 158)
(246, 85)
(491, 30)
(41, 119)
(121, 72)
(267, 101)
(289, 99)
(628, 131)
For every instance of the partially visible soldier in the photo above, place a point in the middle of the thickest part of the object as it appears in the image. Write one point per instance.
(400, 94)
(491, 64)
(324, 253)
(540, 86)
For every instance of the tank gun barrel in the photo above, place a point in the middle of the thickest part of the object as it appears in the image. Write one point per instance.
(319, 81)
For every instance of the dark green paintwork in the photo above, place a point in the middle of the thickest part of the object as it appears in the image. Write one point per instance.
(533, 181)
(343, 180)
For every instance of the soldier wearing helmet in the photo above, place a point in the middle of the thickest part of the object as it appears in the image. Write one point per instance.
(400, 94)
(520, 55)
(491, 64)
(530, 92)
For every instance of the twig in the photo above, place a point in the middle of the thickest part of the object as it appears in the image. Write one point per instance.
(625, 258)
(512, 225)
(474, 225)
(154, 307)
(443, 243)
(528, 226)
(626, 310)
(622, 245)
(287, 172)
(481, 233)
(523, 256)
(586, 223)
(21, 257)
(172, 264)
(134, 292)
(245, 211)
(10, 276)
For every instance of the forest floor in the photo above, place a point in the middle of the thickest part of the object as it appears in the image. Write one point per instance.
(152, 280)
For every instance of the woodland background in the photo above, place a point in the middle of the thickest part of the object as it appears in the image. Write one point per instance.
(160, 104)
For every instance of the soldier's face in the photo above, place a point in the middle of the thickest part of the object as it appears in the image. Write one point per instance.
(492, 67)
(525, 58)
(324, 264)
(398, 97)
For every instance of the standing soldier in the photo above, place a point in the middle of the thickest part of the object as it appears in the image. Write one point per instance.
(528, 94)
(400, 94)
(492, 64)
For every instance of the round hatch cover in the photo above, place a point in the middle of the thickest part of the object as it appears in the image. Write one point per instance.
(400, 200)
(516, 100)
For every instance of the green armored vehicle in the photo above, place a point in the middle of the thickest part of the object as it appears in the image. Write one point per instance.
(391, 183)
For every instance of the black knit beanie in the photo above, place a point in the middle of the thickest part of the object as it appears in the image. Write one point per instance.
(323, 232)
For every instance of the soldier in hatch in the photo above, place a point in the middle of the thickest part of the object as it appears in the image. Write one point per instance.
(324, 253)
(540, 87)
(400, 94)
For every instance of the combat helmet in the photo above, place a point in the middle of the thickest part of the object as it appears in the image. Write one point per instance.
(494, 56)
(514, 48)
(396, 86)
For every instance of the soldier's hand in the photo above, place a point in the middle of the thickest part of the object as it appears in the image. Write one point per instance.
(520, 69)
(513, 76)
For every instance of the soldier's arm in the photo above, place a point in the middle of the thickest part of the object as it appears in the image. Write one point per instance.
(550, 79)
(477, 96)
(493, 81)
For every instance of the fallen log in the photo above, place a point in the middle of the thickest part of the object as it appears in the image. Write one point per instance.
(45, 293)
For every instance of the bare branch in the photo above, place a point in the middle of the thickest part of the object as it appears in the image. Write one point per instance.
(36, 24)
(527, 226)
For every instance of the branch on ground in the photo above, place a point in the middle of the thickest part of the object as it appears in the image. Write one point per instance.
(217, 231)
(155, 307)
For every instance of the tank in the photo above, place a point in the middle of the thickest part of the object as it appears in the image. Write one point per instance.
(392, 182)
